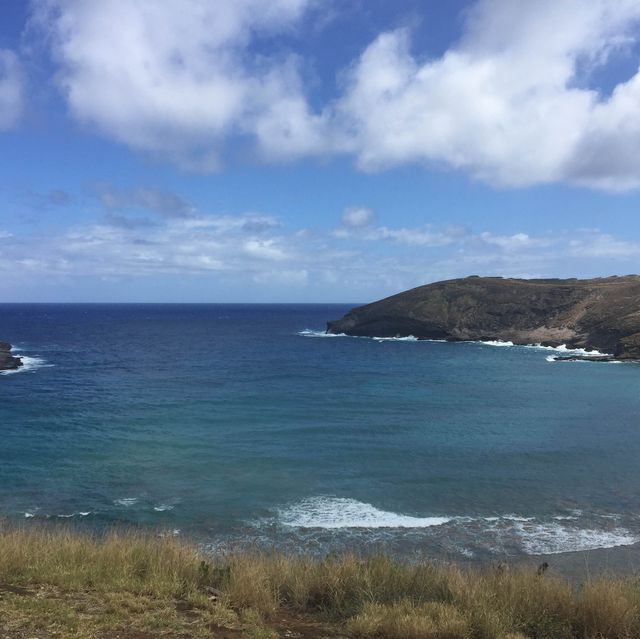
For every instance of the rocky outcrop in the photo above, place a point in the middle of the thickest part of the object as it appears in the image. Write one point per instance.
(598, 314)
(7, 361)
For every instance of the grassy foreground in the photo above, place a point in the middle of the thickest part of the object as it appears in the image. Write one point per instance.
(57, 583)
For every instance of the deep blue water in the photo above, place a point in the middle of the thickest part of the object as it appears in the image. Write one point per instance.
(225, 423)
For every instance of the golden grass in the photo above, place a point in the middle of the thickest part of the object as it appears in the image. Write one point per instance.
(58, 583)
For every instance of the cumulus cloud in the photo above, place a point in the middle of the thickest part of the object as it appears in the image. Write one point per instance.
(11, 89)
(512, 102)
(503, 103)
(178, 79)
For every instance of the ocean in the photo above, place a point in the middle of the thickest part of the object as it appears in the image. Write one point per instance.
(246, 426)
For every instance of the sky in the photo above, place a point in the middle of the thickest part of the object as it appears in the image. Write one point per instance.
(313, 150)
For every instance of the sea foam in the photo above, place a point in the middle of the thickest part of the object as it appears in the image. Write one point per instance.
(563, 533)
(528, 535)
(551, 539)
(307, 332)
(126, 501)
(160, 508)
(28, 364)
(562, 349)
(340, 512)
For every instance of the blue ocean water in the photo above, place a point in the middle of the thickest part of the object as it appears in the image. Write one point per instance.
(243, 424)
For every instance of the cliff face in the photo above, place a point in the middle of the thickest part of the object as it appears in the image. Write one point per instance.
(602, 314)
(7, 361)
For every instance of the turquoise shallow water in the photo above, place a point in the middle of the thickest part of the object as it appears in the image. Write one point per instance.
(242, 424)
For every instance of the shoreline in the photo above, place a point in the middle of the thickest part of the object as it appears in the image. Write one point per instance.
(581, 565)
(133, 585)
(564, 353)
(589, 314)
(574, 565)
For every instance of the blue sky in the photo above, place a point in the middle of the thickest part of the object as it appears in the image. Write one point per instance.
(313, 150)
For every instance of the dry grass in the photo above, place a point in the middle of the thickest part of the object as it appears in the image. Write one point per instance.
(57, 583)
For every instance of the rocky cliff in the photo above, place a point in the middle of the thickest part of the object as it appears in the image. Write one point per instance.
(601, 314)
(7, 361)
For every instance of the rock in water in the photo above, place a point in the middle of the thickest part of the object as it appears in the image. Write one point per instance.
(7, 361)
(598, 314)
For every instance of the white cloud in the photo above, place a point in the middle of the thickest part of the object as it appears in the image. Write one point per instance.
(358, 223)
(603, 245)
(188, 246)
(255, 253)
(412, 236)
(515, 242)
(265, 249)
(357, 217)
(11, 89)
(177, 79)
(509, 102)
(503, 103)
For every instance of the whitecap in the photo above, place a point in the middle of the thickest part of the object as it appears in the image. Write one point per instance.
(126, 501)
(162, 507)
(508, 518)
(339, 512)
(494, 343)
(563, 348)
(307, 332)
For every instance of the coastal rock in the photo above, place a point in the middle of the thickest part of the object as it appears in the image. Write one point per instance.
(7, 361)
(600, 314)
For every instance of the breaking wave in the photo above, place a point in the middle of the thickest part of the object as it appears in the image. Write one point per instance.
(30, 514)
(339, 512)
(126, 501)
(506, 534)
(307, 332)
(160, 508)
(493, 343)
(562, 349)
(28, 364)
(551, 539)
